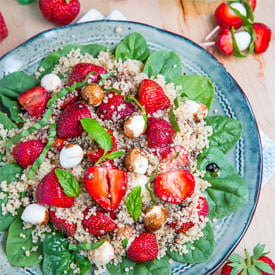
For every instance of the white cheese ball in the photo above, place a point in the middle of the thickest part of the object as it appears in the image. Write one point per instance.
(194, 110)
(70, 156)
(35, 214)
(240, 7)
(102, 255)
(134, 126)
(51, 82)
(136, 161)
(243, 40)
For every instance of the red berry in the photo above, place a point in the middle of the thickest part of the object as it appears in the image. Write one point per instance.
(152, 96)
(61, 12)
(174, 186)
(62, 225)
(50, 192)
(159, 135)
(34, 100)
(69, 99)
(81, 70)
(3, 28)
(68, 124)
(106, 186)
(269, 262)
(98, 223)
(144, 248)
(26, 153)
(224, 42)
(263, 36)
(252, 4)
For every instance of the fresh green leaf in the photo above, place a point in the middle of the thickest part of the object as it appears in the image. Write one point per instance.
(40, 159)
(48, 63)
(134, 203)
(116, 91)
(173, 121)
(98, 133)
(264, 267)
(228, 191)
(235, 258)
(195, 87)
(114, 155)
(17, 246)
(244, 272)
(141, 269)
(25, 2)
(236, 270)
(120, 268)
(104, 77)
(258, 251)
(86, 246)
(157, 267)
(11, 107)
(6, 122)
(124, 243)
(166, 63)
(252, 270)
(226, 132)
(237, 51)
(154, 202)
(82, 262)
(198, 251)
(68, 183)
(133, 46)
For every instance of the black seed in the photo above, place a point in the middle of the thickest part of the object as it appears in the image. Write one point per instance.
(212, 167)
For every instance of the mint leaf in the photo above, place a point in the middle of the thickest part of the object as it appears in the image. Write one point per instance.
(86, 246)
(134, 203)
(114, 155)
(173, 121)
(68, 183)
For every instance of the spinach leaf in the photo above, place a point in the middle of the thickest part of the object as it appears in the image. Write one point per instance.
(163, 62)
(120, 269)
(17, 246)
(6, 122)
(15, 83)
(134, 203)
(8, 172)
(196, 87)
(198, 251)
(133, 46)
(228, 191)
(58, 258)
(11, 107)
(52, 59)
(226, 132)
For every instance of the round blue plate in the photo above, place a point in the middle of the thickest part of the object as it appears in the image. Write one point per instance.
(229, 100)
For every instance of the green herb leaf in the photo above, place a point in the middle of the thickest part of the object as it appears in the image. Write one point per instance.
(134, 203)
(104, 77)
(120, 268)
(237, 51)
(98, 133)
(25, 2)
(235, 258)
(68, 183)
(116, 91)
(6, 122)
(154, 202)
(124, 243)
(258, 251)
(236, 270)
(114, 155)
(86, 246)
(11, 107)
(264, 267)
(173, 121)
(40, 159)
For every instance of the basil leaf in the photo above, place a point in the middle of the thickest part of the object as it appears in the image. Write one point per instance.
(124, 243)
(228, 191)
(86, 246)
(98, 133)
(17, 246)
(6, 122)
(166, 63)
(114, 155)
(173, 121)
(11, 107)
(237, 51)
(120, 268)
(68, 183)
(195, 87)
(264, 267)
(134, 203)
(48, 63)
(226, 132)
(133, 46)
(198, 251)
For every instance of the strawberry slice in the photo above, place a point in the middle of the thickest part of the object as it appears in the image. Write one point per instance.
(106, 186)
(224, 42)
(152, 96)
(263, 36)
(3, 28)
(62, 225)
(34, 100)
(174, 186)
(176, 159)
(98, 224)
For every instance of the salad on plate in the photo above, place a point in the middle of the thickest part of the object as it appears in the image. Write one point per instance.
(110, 161)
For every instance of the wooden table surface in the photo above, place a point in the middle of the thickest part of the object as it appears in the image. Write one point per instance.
(193, 19)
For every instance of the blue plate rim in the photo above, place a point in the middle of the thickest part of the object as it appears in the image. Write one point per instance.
(259, 182)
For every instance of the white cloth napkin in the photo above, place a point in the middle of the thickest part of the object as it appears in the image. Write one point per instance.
(267, 143)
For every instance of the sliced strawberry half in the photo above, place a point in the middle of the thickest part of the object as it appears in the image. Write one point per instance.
(224, 42)
(98, 223)
(34, 100)
(62, 225)
(174, 186)
(152, 96)
(263, 36)
(106, 186)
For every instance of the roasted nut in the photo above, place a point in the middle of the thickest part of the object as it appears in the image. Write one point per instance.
(35, 214)
(155, 217)
(134, 126)
(136, 161)
(93, 94)
(196, 110)
(71, 155)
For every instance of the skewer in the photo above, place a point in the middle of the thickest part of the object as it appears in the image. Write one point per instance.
(207, 44)
(212, 33)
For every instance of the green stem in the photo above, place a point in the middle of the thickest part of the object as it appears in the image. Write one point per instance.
(248, 258)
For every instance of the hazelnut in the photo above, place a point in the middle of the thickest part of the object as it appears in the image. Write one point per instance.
(70, 156)
(196, 110)
(154, 217)
(134, 126)
(93, 94)
(136, 161)
(35, 214)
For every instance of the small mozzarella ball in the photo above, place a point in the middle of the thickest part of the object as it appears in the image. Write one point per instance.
(35, 214)
(243, 40)
(51, 82)
(240, 7)
(135, 180)
(70, 156)
(102, 255)
(93, 94)
(194, 110)
(155, 217)
(134, 126)
(136, 161)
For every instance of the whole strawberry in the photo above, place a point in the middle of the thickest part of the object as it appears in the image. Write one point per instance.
(144, 248)
(3, 28)
(257, 264)
(61, 12)
(62, 225)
